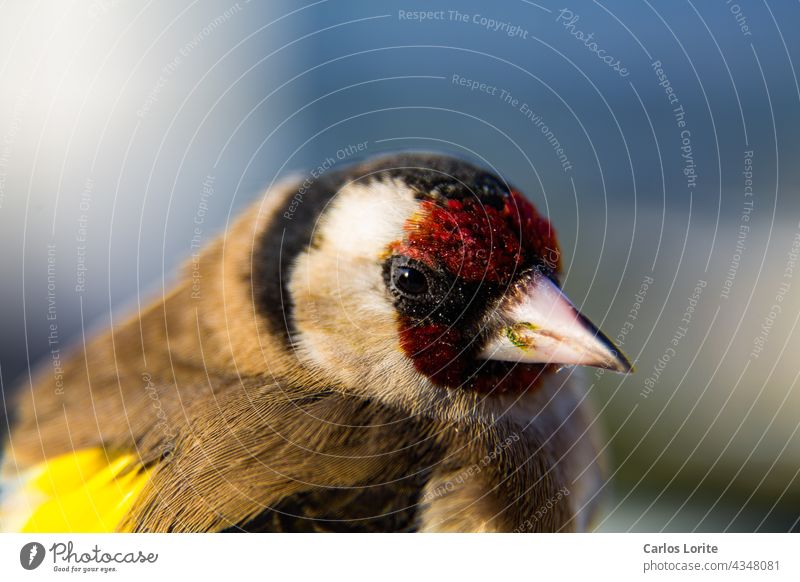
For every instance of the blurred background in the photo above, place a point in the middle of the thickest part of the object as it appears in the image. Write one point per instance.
(661, 138)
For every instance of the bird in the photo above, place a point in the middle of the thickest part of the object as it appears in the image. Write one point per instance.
(381, 347)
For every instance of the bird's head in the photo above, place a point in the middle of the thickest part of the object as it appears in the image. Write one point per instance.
(416, 275)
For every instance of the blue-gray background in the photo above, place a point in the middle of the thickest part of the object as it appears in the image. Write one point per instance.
(114, 113)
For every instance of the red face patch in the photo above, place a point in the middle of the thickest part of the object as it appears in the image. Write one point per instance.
(478, 242)
(438, 352)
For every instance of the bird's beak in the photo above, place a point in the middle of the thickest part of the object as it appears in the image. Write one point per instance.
(537, 323)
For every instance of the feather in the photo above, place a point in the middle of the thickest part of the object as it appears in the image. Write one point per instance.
(84, 491)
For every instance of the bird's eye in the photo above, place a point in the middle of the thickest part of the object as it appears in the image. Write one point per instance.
(409, 280)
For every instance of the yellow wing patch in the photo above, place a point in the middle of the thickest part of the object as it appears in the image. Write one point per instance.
(83, 491)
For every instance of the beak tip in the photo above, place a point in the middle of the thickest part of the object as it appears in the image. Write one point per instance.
(626, 368)
(623, 365)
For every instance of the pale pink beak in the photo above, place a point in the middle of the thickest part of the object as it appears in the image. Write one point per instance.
(538, 324)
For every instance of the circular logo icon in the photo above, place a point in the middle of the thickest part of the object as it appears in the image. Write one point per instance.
(31, 555)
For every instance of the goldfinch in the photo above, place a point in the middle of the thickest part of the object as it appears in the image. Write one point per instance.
(382, 348)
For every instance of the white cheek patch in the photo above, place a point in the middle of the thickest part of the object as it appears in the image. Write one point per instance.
(364, 219)
(343, 312)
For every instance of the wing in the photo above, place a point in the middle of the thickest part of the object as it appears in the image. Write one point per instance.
(84, 491)
(255, 454)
